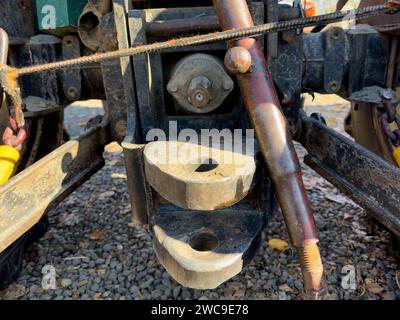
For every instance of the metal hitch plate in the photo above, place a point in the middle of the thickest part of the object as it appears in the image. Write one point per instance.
(202, 250)
(196, 177)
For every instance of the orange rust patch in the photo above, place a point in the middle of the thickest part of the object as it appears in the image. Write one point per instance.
(12, 79)
(10, 84)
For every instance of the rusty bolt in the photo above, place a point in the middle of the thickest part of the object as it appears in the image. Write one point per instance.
(121, 128)
(238, 60)
(333, 86)
(173, 87)
(198, 92)
(72, 93)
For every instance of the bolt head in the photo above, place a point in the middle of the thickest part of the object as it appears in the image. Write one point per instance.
(72, 92)
(228, 84)
(172, 87)
(199, 91)
(238, 60)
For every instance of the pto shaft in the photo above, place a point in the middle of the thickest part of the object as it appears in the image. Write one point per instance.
(275, 142)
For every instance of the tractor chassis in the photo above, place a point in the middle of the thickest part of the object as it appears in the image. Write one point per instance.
(328, 62)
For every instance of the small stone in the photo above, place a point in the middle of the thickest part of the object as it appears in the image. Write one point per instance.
(185, 294)
(156, 294)
(389, 296)
(107, 247)
(35, 289)
(45, 297)
(66, 282)
(177, 291)
(282, 295)
(94, 287)
(15, 291)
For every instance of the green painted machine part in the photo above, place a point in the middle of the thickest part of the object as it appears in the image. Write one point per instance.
(59, 17)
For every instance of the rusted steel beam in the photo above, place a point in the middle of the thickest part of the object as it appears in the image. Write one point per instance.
(363, 176)
(183, 26)
(27, 196)
(140, 193)
(276, 145)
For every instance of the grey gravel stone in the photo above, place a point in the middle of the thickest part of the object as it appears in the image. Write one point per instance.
(177, 291)
(156, 294)
(66, 282)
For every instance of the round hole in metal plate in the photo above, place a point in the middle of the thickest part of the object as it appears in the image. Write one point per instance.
(207, 165)
(203, 241)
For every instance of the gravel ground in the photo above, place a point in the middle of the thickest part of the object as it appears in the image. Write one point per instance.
(98, 254)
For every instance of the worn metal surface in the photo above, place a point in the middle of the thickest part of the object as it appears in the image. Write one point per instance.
(152, 72)
(107, 27)
(37, 107)
(344, 61)
(197, 177)
(383, 23)
(26, 197)
(118, 79)
(238, 60)
(71, 77)
(18, 18)
(276, 144)
(370, 101)
(199, 83)
(363, 176)
(90, 20)
(201, 250)
(40, 49)
(227, 35)
(334, 59)
(140, 193)
(183, 26)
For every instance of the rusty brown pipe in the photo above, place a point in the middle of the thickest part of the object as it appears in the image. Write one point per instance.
(276, 144)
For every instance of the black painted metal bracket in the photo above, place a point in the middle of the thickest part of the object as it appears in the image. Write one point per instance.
(363, 176)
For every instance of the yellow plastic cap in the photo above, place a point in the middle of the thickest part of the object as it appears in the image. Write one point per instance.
(8, 158)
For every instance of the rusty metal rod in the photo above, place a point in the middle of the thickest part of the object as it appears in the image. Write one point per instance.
(276, 144)
(183, 26)
(359, 14)
(200, 24)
